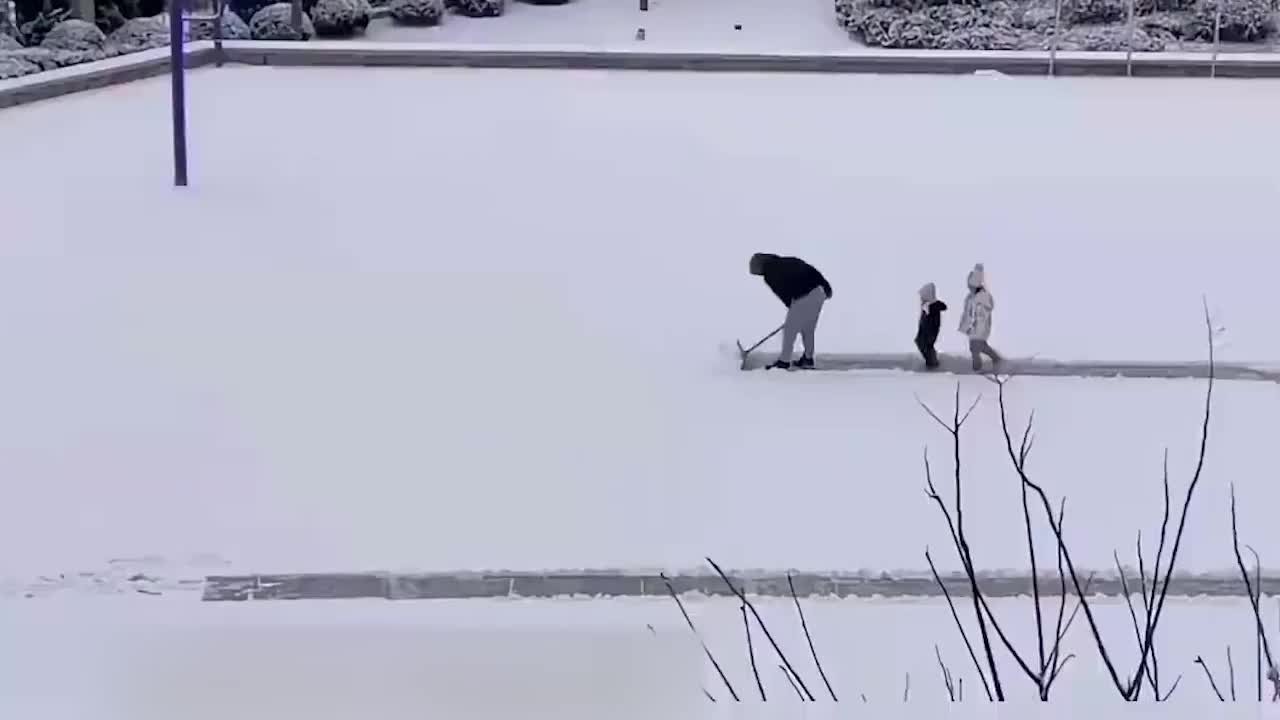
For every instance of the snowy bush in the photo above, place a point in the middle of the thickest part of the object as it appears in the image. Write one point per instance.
(1242, 20)
(233, 28)
(340, 18)
(275, 22)
(478, 8)
(142, 33)
(1168, 24)
(75, 35)
(1114, 38)
(32, 32)
(1082, 12)
(1147, 7)
(941, 27)
(417, 12)
(9, 42)
(246, 9)
(13, 66)
(6, 27)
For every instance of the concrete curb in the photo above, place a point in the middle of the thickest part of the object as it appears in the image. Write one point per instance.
(1243, 65)
(95, 75)
(958, 365)
(56, 83)
(393, 586)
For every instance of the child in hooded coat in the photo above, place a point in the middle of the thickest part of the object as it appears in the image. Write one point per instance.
(975, 321)
(931, 309)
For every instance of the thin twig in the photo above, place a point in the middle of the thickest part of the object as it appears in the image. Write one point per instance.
(946, 674)
(906, 690)
(1231, 674)
(1133, 615)
(1135, 685)
(1200, 661)
(809, 638)
(1248, 586)
(956, 615)
(1258, 634)
(795, 687)
(724, 678)
(958, 535)
(1062, 546)
(751, 653)
(1154, 675)
(763, 628)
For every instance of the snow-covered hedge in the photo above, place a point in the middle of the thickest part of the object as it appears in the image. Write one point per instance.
(6, 27)
(1113, 38)
(275, 22)
(75, 35)
(340, 18)
(233, 28)
(1242, 20)
(12, 66)
(142, 33)
(1085, 24)
(9, 42)
(417, 12)
(478, 8)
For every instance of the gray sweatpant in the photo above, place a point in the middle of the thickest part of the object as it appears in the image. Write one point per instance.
(978, 348)
(802, 318)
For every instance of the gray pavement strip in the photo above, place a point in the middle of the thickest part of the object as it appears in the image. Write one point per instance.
(959, 365)
(421, 586)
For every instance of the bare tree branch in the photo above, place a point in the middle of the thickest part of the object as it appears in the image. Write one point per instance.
(1135, 685)
(959, 625)
(724, 678)
(763, 628)
(946, 674)
(1231, 674)
(809, 638)
(1200, 661)
(751, 653)
(795, 687)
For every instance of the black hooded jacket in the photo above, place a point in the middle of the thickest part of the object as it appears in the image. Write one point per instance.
(791, 278)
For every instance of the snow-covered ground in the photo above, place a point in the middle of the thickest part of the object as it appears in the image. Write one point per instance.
(144, 659)
(708, 25)
(411, 319)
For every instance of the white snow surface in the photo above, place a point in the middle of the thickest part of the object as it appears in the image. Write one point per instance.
(764, 25)
(101, 659)
(414, 319)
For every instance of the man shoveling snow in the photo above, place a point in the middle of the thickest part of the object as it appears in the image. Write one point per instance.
(803, 290)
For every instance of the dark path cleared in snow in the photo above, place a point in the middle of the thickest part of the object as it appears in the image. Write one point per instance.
(958, 365)
(391, 586)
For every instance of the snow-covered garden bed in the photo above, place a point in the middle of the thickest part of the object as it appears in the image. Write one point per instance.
(1106, 25)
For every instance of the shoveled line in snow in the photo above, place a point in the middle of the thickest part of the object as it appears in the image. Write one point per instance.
(417, 586)
(1050, 368)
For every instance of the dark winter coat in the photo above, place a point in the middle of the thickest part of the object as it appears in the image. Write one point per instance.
(930, 322)
(791, 278)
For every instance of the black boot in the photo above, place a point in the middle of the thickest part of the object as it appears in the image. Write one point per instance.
(779, 365)
(804, 363)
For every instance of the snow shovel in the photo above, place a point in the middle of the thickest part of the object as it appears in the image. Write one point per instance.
(744, 352)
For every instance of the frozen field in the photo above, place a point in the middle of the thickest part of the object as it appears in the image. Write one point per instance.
(138, 659)
(456, 319)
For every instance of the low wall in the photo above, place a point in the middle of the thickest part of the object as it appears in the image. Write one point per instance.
(95, 75)
(938, 62)
(151, 63)
(436, 586)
